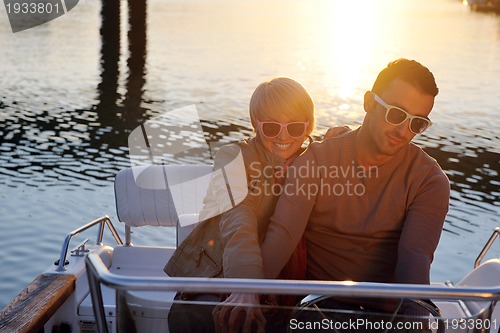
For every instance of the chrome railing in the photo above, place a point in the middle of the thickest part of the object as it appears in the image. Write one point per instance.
(103, 221)
(99, 274)
(485, 249)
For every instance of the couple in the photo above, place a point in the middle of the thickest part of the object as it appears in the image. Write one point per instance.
(373, 208)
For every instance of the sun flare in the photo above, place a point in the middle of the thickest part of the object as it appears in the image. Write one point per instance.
(350, 33)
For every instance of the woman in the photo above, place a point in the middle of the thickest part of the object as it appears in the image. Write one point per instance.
(282, 115)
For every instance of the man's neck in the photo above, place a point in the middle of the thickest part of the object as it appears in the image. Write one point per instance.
(367, 153)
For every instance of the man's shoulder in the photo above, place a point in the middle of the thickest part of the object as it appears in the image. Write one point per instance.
(329, 151)
(417, 153)
(426, 164)
(336, 142)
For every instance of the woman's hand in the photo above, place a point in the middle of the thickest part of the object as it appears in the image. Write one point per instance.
(239, 310)
(336, 131)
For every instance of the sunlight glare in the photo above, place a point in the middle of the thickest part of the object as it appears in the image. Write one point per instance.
(351, 33)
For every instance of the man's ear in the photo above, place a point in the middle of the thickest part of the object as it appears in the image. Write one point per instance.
(369, 101)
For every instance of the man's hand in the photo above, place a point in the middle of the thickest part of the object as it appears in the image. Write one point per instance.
(336, 131)
(239, 310)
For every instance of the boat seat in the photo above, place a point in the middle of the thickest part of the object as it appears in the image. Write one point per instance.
(158, 195)
(148, 309)
(167, 196)
(486, 275)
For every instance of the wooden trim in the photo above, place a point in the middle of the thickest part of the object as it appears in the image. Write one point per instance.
(36, 304)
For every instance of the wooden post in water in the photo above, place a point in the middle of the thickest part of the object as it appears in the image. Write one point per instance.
(136, 63)
(110, 54)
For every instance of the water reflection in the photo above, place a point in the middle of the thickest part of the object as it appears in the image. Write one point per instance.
(68, 143)
(474, 183)
(59, 134)
(112, 113)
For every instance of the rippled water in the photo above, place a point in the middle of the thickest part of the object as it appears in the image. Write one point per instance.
(70, 95)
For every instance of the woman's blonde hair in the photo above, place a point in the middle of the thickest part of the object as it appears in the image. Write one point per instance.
(282, 96)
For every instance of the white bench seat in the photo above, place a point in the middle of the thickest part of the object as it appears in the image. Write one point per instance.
(136, 261)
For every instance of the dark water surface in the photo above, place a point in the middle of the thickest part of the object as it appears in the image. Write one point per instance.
(70, 94)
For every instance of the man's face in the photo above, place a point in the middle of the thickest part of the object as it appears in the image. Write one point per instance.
(388, 139)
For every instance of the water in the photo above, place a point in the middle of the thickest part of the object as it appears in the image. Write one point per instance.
(68, 103)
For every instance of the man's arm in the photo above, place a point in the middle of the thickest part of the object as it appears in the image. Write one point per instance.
(422, 229)
(227, 313)
(291, 215)
(238, 223)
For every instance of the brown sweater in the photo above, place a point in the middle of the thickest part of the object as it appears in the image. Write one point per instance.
(381, 225)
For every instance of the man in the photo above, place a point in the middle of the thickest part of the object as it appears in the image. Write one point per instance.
(370, 203)
(375, 203)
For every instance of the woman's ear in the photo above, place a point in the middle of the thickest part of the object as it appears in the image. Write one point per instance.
(369, 101)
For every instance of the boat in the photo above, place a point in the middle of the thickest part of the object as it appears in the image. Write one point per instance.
(121, 287)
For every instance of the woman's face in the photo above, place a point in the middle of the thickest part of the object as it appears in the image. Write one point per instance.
(283, 145)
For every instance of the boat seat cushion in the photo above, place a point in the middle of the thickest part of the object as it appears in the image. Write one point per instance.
(486, 275)
(144, 194)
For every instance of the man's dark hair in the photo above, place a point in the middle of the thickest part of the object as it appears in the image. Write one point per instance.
(410, 71)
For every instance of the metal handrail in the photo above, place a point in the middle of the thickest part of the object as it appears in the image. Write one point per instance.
(98, 273)
(485, 249)
(105, 220)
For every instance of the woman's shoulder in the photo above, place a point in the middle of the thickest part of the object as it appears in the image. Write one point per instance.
(244, 144)
(245, 150)
(235, 148)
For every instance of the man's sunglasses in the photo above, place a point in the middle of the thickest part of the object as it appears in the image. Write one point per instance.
(397, 116)
(272, 129)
